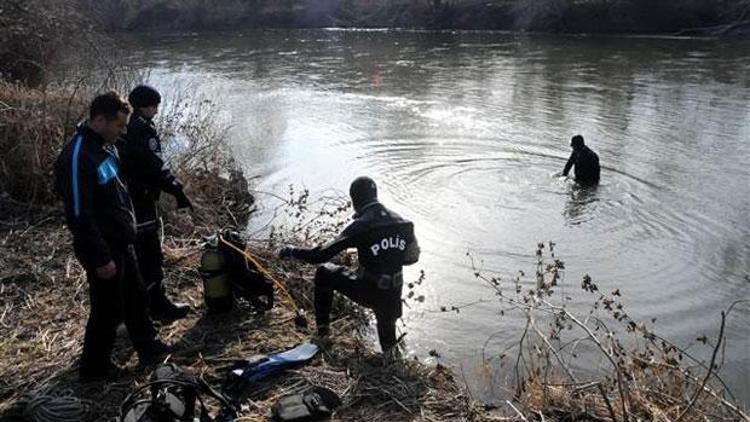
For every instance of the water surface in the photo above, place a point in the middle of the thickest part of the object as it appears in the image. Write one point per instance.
(463, 131)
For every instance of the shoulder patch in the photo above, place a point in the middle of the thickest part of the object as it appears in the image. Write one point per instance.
(107, 170)
(153, 145)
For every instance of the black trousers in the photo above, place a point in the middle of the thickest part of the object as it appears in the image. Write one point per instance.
(115, 300)
(151, 261)
(385, 303)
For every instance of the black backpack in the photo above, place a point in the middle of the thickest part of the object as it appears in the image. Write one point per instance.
(174, 395)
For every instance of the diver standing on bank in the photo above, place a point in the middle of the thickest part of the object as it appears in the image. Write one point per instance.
(385, 242)
(147, 177)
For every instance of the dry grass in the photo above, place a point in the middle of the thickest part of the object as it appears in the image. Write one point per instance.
(34, 124)
(44, 297)
(644, 376)
(37, 35)
(44, 294)
(32, 129)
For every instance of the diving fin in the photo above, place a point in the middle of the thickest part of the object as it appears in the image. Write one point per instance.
(245, 372)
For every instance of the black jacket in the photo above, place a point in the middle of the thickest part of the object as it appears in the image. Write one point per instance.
(385, 242)
(97, 205)
(145, 171)
(586, 164)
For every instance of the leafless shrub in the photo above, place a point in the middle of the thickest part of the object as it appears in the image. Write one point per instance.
(36, 36)
(647, 377)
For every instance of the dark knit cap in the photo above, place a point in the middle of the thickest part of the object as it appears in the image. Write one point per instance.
(144, 96)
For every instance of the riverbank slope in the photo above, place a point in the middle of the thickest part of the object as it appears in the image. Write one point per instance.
(44, 293)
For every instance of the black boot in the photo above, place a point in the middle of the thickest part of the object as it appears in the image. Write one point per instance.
(162, 309)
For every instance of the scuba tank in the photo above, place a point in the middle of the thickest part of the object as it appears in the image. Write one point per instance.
(217, 289)
(227, 274)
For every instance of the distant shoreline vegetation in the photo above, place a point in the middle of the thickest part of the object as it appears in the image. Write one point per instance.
(685, 17)
(37, 36)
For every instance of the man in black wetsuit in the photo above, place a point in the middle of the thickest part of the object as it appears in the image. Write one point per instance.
(100, 217)
(148, 176)
(385, 242)
(585, 160)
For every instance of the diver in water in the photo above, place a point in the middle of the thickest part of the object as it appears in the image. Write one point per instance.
(585, 160)
(385, 242)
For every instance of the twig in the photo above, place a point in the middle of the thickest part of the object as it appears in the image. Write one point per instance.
(401, 405)
(609, 405)
(602, 348)
(466, 383)
(697, 361)
(518, 412)
(694, 399)
(541, 415)
(554, 353)
(520, 354)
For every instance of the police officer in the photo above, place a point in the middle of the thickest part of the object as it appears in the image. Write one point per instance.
(100, 216)
(147, 177)
(585, 160)
(385, 242)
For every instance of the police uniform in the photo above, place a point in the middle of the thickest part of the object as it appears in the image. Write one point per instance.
(147, 176)
(385, 242)
(100, 217)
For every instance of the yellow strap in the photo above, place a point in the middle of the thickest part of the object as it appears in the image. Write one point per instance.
(265, 272)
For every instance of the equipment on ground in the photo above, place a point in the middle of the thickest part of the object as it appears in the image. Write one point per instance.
(312, 404)
(238, 246)
(244, 373)
(174, 395)
(228, 275)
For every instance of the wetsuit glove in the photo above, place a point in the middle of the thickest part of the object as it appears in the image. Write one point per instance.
(183, 201)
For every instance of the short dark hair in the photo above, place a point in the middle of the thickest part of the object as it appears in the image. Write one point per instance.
(577, 141)
(108, 105)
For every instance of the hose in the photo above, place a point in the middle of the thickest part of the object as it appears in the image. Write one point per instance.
(266, 273)
(46, 405)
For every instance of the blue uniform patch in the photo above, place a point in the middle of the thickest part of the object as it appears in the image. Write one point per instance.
(74, 175)
(107, 171)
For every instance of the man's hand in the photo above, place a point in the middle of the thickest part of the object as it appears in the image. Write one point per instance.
(286, 252)
(107, 270)
(183, 201)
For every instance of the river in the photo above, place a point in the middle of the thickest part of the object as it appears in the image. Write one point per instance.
(463, 131)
